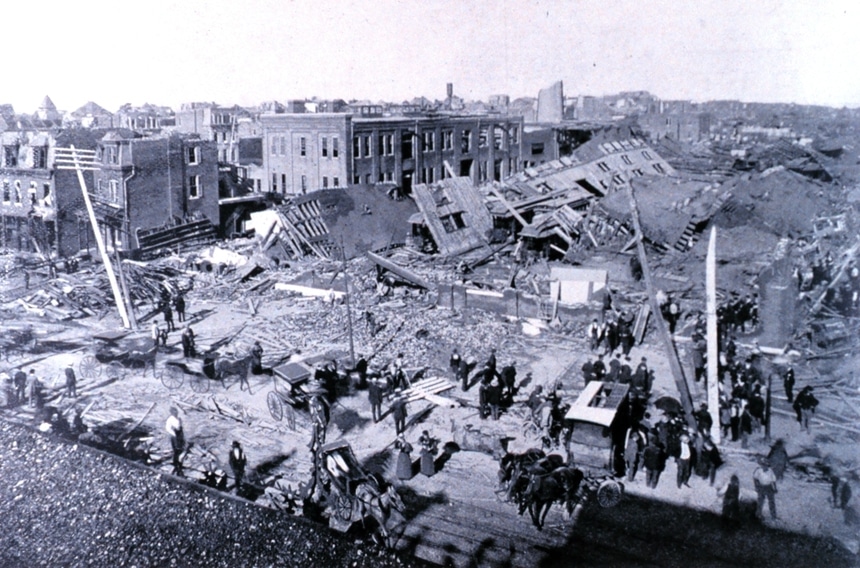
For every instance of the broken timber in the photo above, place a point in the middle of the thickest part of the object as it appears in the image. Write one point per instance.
(404, 273)
(671, 353)
(428, 389)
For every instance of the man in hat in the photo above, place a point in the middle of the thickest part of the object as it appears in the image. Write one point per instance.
(71, 382)
(594, 334)
(683, 461)
(19, 380)
(703, 418)
(788, 383)
(764, 480)
(399, 413)
(173, 427)
(257, 358)
(237, 463)
(804, 405)
(374, 397)
(188, 348)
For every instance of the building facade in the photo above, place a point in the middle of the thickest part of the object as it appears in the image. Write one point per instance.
(145, 183)
(39, 204)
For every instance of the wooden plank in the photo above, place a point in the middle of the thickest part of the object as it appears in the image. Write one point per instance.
(400, 271)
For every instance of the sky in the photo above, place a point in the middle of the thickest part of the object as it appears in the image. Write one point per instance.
(248, 51)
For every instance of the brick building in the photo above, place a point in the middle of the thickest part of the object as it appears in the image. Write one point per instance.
(306, 152)
(40, 203)
(146, 183)
(222, 125)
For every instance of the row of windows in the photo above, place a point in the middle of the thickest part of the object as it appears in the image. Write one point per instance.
(40, 156)
(14, 192)
(279, 146)
(304, 183)
(361, 145)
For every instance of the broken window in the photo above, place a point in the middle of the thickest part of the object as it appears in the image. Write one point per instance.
(356, 179)
(7, 191)
(659, 169)
(193, 155)
(603, 167)
(466, 142)
(626, 159)
(407, 143)
(10, 156)
(453, 222)
(537, 148)
(447, 139)
(303, 146)
(40, 157)
(324, 143)
(195, 188)
(482, 137)
(335, 148)
(498, 138)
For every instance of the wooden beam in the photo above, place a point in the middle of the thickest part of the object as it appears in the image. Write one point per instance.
(400, 271)
(508, 206)
(659, 322)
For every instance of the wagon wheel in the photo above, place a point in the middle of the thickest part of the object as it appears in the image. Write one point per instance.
(343, 506)
(276, 407)
(172, 377)
(89, 367)
(115, 370)
(609, 493)
(199, 384)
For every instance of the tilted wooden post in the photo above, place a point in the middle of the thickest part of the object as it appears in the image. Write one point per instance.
(659, 322)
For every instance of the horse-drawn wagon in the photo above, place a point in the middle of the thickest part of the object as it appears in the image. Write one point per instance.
(114, 352)
(199, 371)
(593, 427)
(351, 494)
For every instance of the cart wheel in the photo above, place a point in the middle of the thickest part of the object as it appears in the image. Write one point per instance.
(115, 370)
(89, 367)
(609, 493)
(343, 507)
(172, 377)
(199, 384)
(276, 407)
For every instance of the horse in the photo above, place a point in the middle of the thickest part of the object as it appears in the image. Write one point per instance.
(379, 505)
(511, 467)
(559, 485)
(239, 367)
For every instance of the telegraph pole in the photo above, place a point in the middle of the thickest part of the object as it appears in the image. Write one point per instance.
(80, 161)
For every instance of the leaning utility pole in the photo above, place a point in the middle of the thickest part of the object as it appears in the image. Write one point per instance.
(713, 378)
(662, 330)
(85, 160)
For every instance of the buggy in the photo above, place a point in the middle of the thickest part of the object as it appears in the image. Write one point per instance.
(117, 352)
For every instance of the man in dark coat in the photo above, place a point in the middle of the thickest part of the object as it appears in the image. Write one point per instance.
(398, 410)
(509, 382)
(20, 382)
(463, 374)
(654, 461)
(237, 463)
(71, 382)
(168, 317)
(454, 361)
(179, 304)
(257, 358)
(804, 406)
(374, 396)
(599, 369)
(788, 383)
